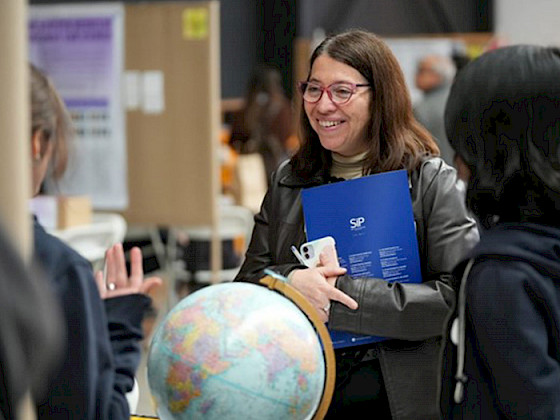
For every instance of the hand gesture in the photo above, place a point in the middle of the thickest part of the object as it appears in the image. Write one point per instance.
(117, 281)
(313, 284)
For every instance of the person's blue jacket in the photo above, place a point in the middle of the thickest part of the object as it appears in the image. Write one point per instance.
(512, 328)
(102, 338)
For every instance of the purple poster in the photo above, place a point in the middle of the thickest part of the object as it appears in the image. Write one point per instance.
(80, 48)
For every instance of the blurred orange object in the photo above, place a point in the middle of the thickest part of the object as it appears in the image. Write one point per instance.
(292, 144)
(228, 160)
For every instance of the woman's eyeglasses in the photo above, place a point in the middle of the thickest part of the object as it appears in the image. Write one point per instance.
(339, 92)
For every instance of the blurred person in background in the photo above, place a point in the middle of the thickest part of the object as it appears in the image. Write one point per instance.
(265, 124)
(434, 75)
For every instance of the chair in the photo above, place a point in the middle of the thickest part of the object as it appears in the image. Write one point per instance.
(235, 228)
(92, 240)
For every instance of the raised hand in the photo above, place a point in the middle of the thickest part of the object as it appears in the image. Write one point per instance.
(117, 282)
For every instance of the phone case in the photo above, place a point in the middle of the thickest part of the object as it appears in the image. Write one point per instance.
(311, 251)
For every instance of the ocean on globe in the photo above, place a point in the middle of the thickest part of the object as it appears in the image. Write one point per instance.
(236, 351)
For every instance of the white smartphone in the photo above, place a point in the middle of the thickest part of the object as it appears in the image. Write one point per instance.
(311, 251)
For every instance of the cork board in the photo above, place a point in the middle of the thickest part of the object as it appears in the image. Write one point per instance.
(173, 118)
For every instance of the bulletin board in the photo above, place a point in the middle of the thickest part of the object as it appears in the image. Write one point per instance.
(80, 47)
(172, 99)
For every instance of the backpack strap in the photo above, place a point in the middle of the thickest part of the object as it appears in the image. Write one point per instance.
(458, 328)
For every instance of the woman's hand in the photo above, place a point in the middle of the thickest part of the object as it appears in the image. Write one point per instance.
(118, 282)
(329, 259)
(313, 284)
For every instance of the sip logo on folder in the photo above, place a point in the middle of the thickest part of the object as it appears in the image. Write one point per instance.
(372, 223)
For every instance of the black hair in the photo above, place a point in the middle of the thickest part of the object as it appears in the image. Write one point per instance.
(503, 119)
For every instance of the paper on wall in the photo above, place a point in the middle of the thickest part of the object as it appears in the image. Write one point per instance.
(153, 101)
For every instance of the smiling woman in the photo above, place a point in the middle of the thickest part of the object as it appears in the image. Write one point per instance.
(364, 125)
(340, 125)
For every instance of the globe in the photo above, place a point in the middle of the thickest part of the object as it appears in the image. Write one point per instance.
(236, 351)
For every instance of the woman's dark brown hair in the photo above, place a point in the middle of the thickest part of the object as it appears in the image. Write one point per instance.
(396, 140)
(50, 117)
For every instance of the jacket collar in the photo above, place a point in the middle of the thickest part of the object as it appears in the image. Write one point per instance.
(292, 180)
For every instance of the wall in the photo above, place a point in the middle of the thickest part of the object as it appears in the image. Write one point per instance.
(239, 39)
(395, 17)
(534, 22)
(264, 30)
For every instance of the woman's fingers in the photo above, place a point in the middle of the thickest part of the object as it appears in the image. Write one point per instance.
(121, 280)
(149, 284)
(110, 268)
(328, 257)
(136, 269)
(335, 294)
(100, 281)
(117, 281)
(343, 298)
(331, 271)
(313, 284)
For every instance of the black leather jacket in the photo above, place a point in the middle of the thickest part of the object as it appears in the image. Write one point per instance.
(412, 314)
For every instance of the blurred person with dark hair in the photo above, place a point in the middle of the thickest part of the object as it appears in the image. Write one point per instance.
(265, 124)
(434, 76)
(503, 356)
(102, 318)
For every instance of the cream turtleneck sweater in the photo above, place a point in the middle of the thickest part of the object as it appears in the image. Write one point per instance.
(347, 167)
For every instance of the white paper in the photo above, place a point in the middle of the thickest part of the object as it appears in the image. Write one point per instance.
(153, 101)
(80, 47)
(45, 207)
(132, 90)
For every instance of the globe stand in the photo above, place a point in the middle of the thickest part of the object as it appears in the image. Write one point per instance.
(311, 313)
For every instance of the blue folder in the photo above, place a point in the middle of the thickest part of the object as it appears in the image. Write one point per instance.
(372, 222)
